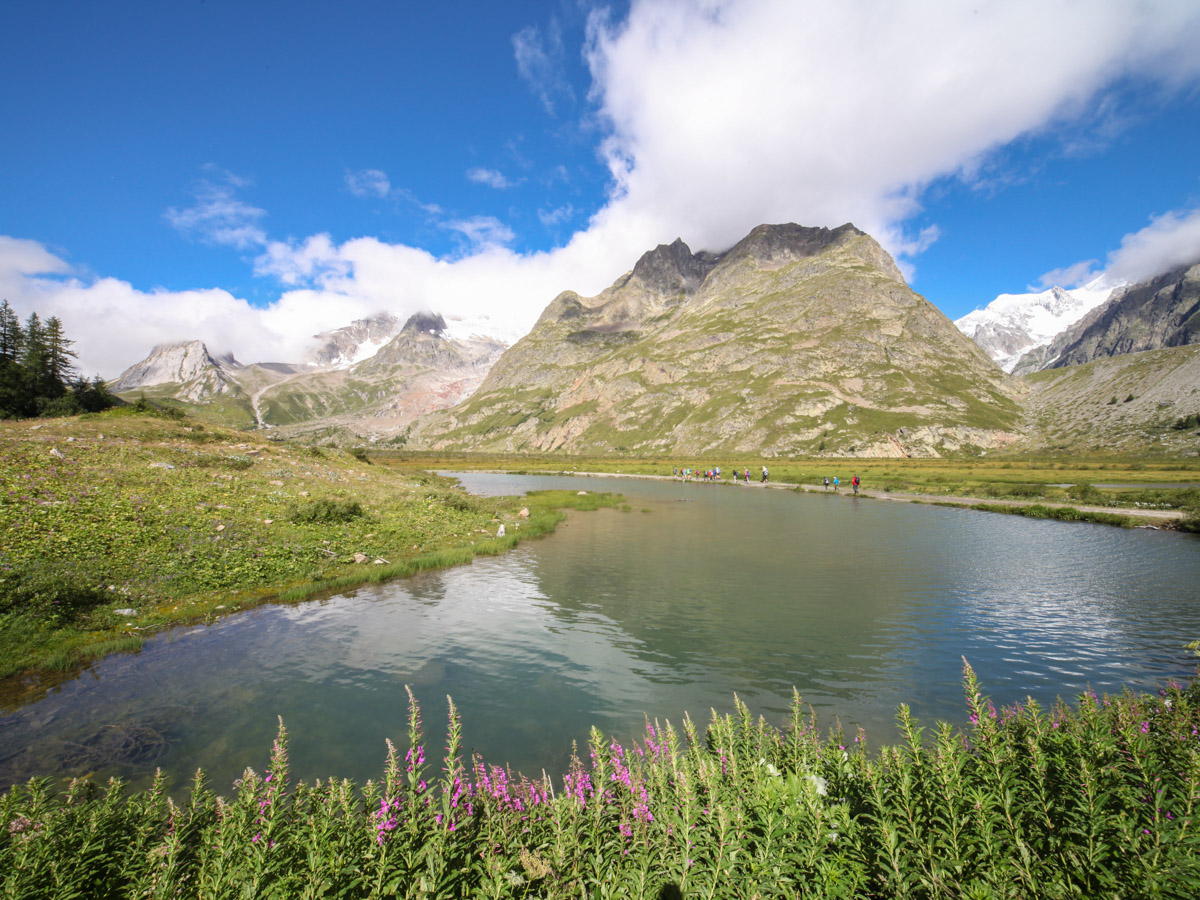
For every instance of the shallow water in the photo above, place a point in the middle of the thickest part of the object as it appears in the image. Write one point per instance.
(698, 592)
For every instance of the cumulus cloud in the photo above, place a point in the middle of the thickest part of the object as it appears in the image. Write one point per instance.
(726, 114)
(540, 56)
(368, 183)
(219, 216)
(1170, 240)
(490, 177)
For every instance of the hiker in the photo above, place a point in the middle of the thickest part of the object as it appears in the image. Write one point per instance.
(835, 484)
(747, 476)
(854, 482)
(826, 482)
(764, 474)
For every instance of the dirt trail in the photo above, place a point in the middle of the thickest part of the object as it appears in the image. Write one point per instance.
(1156, 517)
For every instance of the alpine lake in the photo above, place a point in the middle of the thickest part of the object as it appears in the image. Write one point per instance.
(690, 594)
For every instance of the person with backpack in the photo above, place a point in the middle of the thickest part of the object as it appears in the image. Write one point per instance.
(854, 481)
(826, 482)
(764, 475)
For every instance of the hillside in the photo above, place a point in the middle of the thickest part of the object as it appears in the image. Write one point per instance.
(1124, 403)
(795, 341)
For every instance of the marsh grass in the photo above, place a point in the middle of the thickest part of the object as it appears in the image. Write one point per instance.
(1096, 800)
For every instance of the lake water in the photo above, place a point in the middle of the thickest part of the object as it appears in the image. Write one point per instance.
(697, 592)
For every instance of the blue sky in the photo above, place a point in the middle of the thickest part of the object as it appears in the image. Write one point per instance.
(253, 172)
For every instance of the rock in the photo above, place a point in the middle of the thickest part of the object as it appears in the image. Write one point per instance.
(161, 465)
(581, 494)
(268, 521)
(524, 513)
(220, 528)
(380, 561)
(500, 531)
(70, 440)
(56, 453)
(125, 612)
(361, 558)
(277, 483)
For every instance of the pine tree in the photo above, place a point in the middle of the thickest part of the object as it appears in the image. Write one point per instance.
(11, 333)
(12, 387)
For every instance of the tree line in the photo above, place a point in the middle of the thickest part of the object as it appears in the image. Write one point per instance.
(37, 377)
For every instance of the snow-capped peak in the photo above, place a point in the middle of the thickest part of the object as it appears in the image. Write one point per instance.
(1013, 324)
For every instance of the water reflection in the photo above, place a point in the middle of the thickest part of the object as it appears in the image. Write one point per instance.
(859, 604)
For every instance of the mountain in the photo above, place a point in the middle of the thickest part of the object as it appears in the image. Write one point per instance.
(1161, 312)
(187, 364)
(415, 370)
(796, 340)
(1014, 326)
(353, 343)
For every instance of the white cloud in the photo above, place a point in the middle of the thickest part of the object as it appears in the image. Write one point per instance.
(727, 114)
(1068, 276)
(482, 231)
(490, 177)
(540, 58)
(368, 183)
(556, 216)
(219, 216)
(1170, 240)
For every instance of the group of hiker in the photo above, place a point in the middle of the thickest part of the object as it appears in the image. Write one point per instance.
(714, 474)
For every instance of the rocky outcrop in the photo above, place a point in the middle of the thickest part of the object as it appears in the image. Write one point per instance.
(795, 340)
(187, 364)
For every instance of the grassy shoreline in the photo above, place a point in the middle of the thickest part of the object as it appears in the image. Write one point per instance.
(118, 526)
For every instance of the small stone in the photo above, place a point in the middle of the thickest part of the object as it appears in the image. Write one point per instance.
(56, 453)
(524, 513)
(125, 612)
(268, 521)
(379, 561)
(500, 531)
(581, 494)
(70, 440)
(277, 483)
(220, 528)
(361, 558)
(304, 493)
(161, 465)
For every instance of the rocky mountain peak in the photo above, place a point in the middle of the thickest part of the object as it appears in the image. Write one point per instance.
(671, 268)
(354, 342)
(428, 323)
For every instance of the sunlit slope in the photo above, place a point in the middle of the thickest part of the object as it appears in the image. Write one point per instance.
(1125, 403)
(796, 340)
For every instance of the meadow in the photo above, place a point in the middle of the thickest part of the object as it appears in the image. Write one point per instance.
(117, 525)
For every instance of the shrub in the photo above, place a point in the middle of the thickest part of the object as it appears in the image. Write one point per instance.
(326, 510)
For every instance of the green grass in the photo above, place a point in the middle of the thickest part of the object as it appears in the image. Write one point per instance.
(182, 523)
